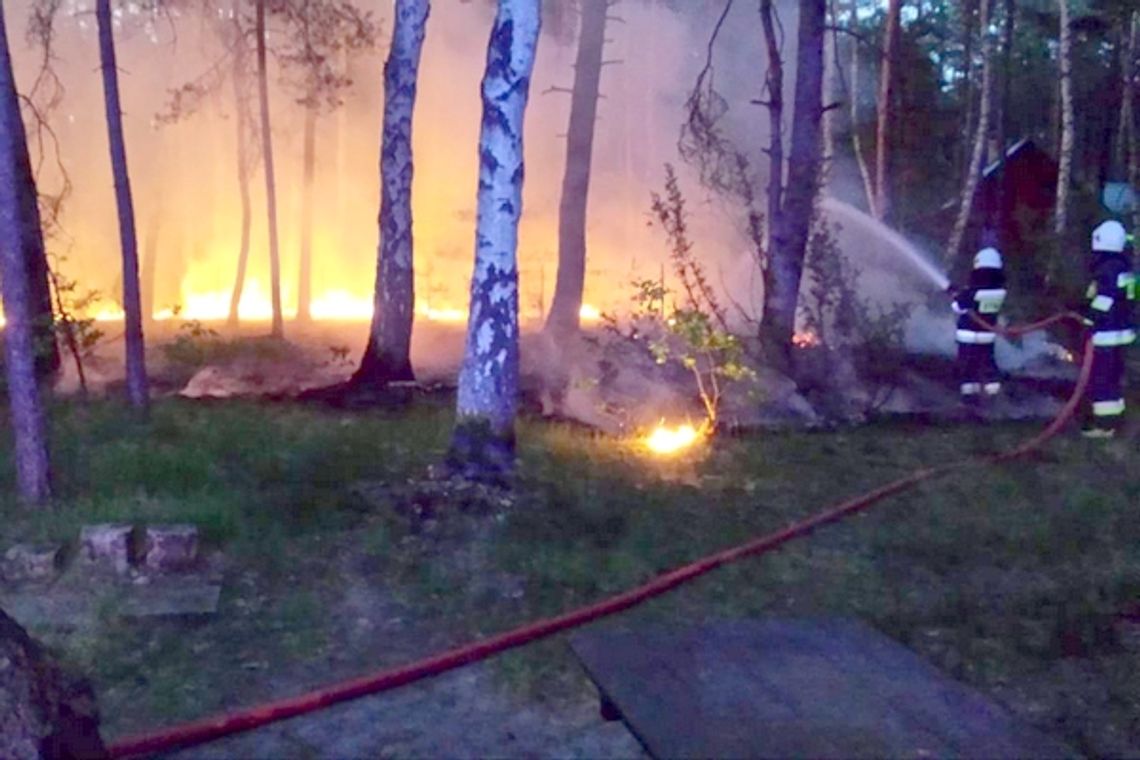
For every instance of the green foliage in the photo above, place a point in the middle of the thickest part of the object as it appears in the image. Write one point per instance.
(694, 334)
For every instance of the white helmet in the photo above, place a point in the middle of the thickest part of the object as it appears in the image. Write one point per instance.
(987, 258)
(1109, 236)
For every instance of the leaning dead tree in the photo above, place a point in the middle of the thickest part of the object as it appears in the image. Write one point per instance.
(33, 475)
(566, 307)
(781, 235)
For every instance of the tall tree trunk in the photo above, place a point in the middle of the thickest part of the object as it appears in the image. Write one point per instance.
(856, 140)
(387, 357)
(1065, 155)
(137, 391)
(482, 446)
(966, 203)
(790, 237)
(1001, 113)
(278, 330)
(774, 83)
(567, 303)
(33, 472)
(1128, 85)
(308, 168)
(885, 119)
(245, 159)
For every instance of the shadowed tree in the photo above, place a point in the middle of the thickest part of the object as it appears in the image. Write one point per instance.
(791, 211)
(314, 53)
(567, 304)
(387, 357)
(891, 40)
(483, 443)
(31, 454)
(278, 329)
(137, 391)
(977, 156)
(248, 154)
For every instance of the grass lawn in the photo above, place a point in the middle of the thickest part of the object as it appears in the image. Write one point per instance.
(1007, 577)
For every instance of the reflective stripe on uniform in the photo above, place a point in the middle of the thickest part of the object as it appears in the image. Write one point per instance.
(974, 337)
(992, 389)
(970, 389)
(1102, 303)
(989, 300)
(1113, 408)
(1113, 337)
(957, 309)
(1126, 281)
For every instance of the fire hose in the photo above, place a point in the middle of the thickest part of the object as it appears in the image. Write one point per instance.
(216, 727)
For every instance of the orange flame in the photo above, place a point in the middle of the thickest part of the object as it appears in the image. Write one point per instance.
(666, 441)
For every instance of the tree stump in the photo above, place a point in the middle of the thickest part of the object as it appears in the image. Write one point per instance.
(171, 547)
(43, 712)
(107, 545)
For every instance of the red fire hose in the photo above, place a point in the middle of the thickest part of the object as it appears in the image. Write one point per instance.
(209, 729)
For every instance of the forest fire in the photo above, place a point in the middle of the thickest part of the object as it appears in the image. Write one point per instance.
(666, 441)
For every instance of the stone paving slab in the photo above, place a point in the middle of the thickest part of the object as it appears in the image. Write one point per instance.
(74, 607)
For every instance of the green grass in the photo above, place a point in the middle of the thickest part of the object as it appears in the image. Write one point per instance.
(997, 575)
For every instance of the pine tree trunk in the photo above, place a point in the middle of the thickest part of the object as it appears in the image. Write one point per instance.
(567, 304)
(856, 140)
(1065, 155)
(387, 357)
(309, 160)
(137, 391)
(482, 445)
(885, 118)
(48, 358)
(278, 329)
(33, 474)
(789, 238)
(966, 203)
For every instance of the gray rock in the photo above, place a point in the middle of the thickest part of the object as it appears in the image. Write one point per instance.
(171, 547)
(107, 545)
(25, 562)
(43, 712)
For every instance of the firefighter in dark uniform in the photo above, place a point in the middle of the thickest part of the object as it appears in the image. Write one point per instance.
(977, 306)
(1109, 316)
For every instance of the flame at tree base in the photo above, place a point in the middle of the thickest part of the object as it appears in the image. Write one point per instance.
(666, 441)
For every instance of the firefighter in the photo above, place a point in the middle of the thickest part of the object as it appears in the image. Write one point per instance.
(977, 306)
(1111, 295)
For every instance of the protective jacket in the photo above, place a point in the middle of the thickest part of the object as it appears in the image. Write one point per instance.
(1111, 295)
(985, 295)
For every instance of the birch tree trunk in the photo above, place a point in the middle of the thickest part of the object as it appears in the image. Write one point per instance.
(387, 357)
(790, 236)
(969, 11)
(308, 168)
(278, 329)
(137, 391)
(885, 110)
(482, 446)
(567, 304)
(33, 474)
(981, 131)
(1065, 155)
